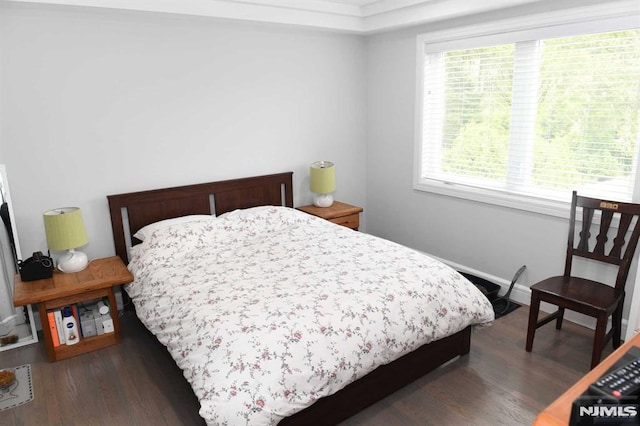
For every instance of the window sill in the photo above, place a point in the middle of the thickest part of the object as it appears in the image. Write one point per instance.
(513, 201)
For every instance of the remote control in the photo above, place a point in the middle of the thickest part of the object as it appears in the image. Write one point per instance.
(622, 382)
(614, 399)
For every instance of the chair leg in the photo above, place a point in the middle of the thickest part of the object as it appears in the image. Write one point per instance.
(598, 340)
(559, 318)
(616, 323)
(534, 308)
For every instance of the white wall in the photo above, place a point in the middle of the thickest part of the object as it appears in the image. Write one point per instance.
(97, 102)
(478, 237)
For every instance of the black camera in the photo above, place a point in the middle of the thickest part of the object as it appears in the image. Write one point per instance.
(37, 267)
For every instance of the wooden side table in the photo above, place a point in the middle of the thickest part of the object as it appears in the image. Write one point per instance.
(94, 282)
(340, 213)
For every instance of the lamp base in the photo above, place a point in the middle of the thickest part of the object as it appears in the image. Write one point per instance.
(73, 261)
(322, 200)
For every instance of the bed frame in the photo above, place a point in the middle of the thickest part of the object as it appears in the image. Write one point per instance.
(132, 211)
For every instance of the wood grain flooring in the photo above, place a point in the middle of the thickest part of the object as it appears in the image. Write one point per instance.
(137, 382)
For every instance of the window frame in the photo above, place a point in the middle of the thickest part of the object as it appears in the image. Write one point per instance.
(608, 16)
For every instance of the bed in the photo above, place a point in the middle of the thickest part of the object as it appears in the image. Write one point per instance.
(274, 267)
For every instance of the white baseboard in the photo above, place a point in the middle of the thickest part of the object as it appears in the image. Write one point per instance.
(522, 295)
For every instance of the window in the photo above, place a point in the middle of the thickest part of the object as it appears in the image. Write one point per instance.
(530, 119)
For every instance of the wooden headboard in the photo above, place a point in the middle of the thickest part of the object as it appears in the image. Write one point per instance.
(132, 211)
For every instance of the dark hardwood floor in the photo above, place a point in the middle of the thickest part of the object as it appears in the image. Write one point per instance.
(137, 382)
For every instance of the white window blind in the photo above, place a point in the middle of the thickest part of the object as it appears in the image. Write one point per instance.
(535, 118)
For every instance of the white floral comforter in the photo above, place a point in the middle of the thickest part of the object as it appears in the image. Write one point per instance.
(268, 309)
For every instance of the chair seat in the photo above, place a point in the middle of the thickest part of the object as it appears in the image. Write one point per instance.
(588, 294)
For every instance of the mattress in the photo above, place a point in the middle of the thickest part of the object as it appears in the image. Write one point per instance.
(268, 309)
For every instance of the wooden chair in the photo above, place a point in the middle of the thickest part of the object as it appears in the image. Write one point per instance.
(583, 295)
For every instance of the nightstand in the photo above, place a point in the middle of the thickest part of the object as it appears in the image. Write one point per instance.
(340, 213)
(94, 282)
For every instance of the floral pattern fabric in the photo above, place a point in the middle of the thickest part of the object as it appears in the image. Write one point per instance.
(268, 309)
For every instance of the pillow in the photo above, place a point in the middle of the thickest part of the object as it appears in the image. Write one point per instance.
(242, 213)
(149, 229)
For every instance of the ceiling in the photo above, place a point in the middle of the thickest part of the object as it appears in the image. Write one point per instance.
(359, 16)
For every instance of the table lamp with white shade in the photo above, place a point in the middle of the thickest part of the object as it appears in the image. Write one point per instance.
(65, 231)
(322, 183)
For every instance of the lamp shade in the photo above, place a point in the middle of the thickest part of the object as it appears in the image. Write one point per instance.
(323, 177)
(65, 228)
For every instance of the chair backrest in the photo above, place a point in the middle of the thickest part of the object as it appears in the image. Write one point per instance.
(620, 251)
